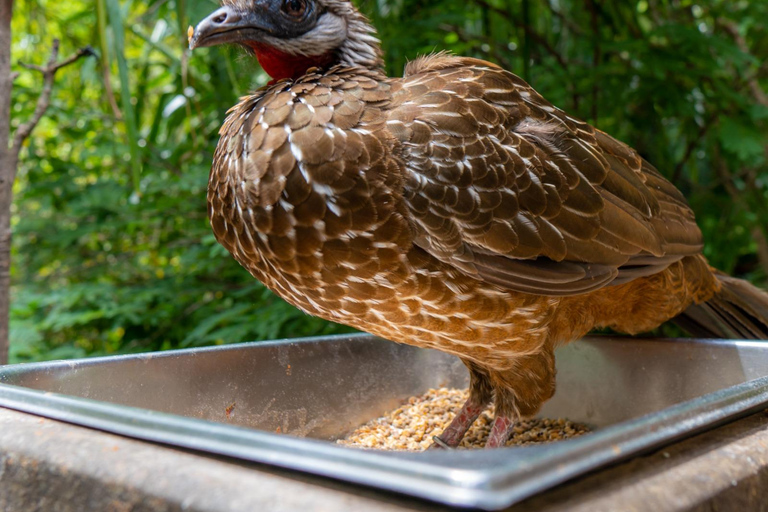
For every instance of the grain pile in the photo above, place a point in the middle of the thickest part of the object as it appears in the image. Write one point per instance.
(412, 426)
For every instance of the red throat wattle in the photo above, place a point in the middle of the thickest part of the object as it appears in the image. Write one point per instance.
(279, 64)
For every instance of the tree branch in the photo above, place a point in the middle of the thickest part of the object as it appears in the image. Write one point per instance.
(754, 87)
(44, 100)
(7, 167)
(35, 67)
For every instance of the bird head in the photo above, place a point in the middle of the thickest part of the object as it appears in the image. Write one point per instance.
(290, 36)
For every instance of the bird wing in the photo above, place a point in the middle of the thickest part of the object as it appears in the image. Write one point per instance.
(513, 191)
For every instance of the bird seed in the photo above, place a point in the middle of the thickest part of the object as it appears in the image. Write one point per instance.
(411, 426)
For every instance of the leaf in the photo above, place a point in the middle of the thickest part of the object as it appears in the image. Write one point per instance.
(129, 115)
(742, 140)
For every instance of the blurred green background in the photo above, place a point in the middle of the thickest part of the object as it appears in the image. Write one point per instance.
(112, 250)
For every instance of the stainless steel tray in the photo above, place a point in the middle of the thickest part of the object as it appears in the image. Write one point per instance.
(637, 394)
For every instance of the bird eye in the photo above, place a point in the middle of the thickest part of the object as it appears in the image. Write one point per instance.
(295, 8)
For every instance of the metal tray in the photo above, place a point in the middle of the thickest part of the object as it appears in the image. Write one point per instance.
(637, 394)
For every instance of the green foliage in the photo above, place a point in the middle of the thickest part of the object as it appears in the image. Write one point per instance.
(112, 250)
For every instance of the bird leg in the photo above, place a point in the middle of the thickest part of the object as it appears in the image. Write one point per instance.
(480, 393)
(519, 393)
(500, 431)
(454, 432)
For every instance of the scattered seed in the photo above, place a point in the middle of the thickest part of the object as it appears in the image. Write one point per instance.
(412, 426)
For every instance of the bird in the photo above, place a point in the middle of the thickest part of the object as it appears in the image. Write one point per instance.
(452, 208)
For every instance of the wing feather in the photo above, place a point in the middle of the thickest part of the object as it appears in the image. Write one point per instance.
(513, 191)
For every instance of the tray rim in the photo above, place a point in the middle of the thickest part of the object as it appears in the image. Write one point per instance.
(427, 475)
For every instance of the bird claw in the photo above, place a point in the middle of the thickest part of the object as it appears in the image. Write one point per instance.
(439, 443)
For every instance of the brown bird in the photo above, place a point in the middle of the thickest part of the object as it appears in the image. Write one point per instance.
(453, 208)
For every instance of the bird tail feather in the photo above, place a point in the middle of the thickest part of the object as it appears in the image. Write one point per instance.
(738, 311)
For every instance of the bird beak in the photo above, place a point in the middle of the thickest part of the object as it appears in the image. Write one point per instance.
(227, 25)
